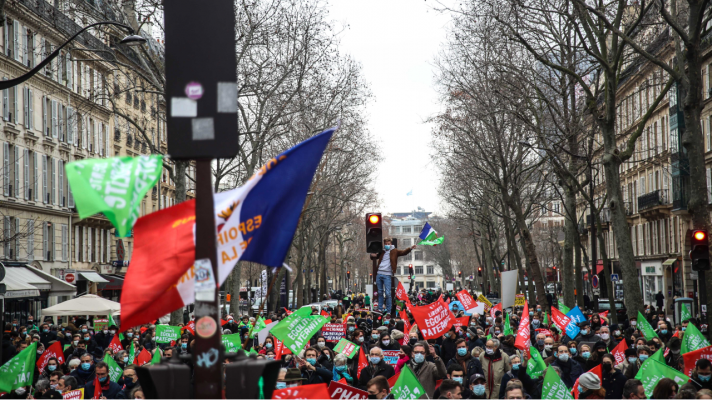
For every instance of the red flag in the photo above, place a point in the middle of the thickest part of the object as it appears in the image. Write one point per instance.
(546, 332)
(163, 250)
(468, 303)
(362, 362)
(54, 350)
(596, 370)
(691, 358)
(190, 327)
(603, 314)
(324, 313)
(677, 334)
(144, 357)
(523, 339)
(314, 391)
(496, 308)
(223, 322)
(97, 388)
(287, 311)
(401, 294)
(433, 319)
(619, 351)
(448, 301)
(462, 321)
(392, 380)
(561, 320)
(115, 344)
(406, 328)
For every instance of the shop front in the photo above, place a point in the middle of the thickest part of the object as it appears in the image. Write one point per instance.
(651, 272)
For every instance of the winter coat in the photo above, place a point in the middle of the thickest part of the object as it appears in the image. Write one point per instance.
(381, 369)
(613, 382)
(448, 349)
(84, 377)
(696, 384)
(428, 373)
(494, 366)
(570, 371)
(46, 338)
(471, 365)
(393, 254)
(531, 386)
(111, 393)
(321, 375)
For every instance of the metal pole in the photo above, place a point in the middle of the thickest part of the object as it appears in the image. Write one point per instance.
(207, 357)
(594, 256)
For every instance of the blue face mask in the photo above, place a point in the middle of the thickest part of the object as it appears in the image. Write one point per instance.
(51, 367)
(631, 360)
(129, 334)
(573, 350)
(45, 330)
(564, 357)
(516, 366)
(351, 328)
(281, 385)
(663, 331)
(643, 357)
(268, 345)
(86, 339)
(184, 345)
(311, 361)
(478, 390)
(103, 379)
(340, 368)
(704, 378)
(387, 247)
(86, 366)
(375, 360)
(586, 354)
(683, 328)
(375, 337)
(84, 331)
(461, 351)
(457, 379)
(126, 359)
(419, 358)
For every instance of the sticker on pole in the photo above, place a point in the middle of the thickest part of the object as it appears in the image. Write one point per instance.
(204, 280)
(194, 90)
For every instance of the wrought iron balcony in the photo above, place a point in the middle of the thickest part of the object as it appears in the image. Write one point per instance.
(653, 199)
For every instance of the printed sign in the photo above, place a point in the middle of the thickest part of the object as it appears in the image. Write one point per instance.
(100, 324)
(391, 356)
(73, 394)
(333, 332)
(483, 299)
(340, 391)
(346, 348)
(519, 300)
(433, 319)
(468, 303)
(167, 334)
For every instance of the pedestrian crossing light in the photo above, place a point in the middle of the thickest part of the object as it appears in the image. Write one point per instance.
(374, 233)
(479, 271)
(700, 251)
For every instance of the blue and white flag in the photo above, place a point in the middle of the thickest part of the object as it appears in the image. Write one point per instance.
(409, 193)
(256, 222)
(576, 315)
(428, 236)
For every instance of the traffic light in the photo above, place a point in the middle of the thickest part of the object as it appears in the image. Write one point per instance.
(348, 274)
(479, 271)
(242, 377)
(374, 233)
(700, 251)
(459, 274)
(411, 273)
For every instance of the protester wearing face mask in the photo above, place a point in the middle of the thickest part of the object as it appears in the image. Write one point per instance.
(613, 379)
(311, 370)
(428, 373)
(52, 366)
(73, 345)
(495, 363)
(477, 386)
(387, 343)
(109, 389)
(549, 352)
(378, 388)
(470, 365)
(570, 369)
(183, 348)
(457, 374)
(701, 377)
(287, 378)
(130, 381)
(447, 347)
(377, 366)
(89, 343)
(590, 387)
(575, 353)
(518, 374)
(387, 262)
(85, 372)
(586, 334)
(46, 335)
(341, 370)
(326, 358)
(269, 345)
(630, 362)
(473, 339)
(599, 349)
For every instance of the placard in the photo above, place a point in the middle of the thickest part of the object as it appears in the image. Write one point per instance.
(483, 299)
(340, 391)
(100, 324)
(519, 300)
(167, 334)
(333, 332)
(391, 357)
(346, 348)
(73, 394)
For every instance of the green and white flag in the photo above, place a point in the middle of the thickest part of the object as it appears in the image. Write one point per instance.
(407, 386)
(563, 308)
(659, 355)
(167, 333)
(645, 328)
(113, 186)
(132, 353)
(296, 330)
(685, 313)
(231, 342)
(535, 365)
(259, 325)
(19, 371)
(429, 237)
(347, 348)
(507, 325)
(652, 371)
(554, 387)
(693, 340)
(115, 370)
(156, 357)
(112, 322)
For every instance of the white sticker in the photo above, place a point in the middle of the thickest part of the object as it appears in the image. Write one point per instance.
(227, 97)
(183, 107)
(204, 280)
(203, 129)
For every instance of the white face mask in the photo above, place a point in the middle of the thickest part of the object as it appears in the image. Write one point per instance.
(489, 351)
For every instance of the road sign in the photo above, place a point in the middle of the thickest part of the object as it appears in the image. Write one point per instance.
(594, 281)
(614, 278)
(201, 79)
(597, 291)
(694, 275)
(120, 252)
(70, 277)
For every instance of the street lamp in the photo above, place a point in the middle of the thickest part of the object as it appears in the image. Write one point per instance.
(131, 40)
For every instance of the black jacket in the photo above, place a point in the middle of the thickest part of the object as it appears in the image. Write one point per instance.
(321, 375)
(695, 384)
(8, 351)
(45, 338)
(448, 349)
(381, 369)
(530, 385)
(111, 393)
(103, 340)
(84, 378)
(570, 371)
(613, 382)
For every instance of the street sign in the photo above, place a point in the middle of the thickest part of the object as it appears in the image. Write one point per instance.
(614, 278)
(120, 252)
(594, 281)
(70, 277)
(694, 275)
(201, 79)
(597, 291)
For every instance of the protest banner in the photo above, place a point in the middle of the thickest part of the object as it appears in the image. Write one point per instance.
(523, 339)
(536, 365)
(347, 348)
(19, 371)
(645, 328)
(233, 343)
(115, 345)
(493, 311)
(652, 371)
(115, 370)
(54, 350)
(519, 300)
(314, 391)
(407, 386)
(144, 357)
(402, 294)
(692, 357)
(468, 303)
(100, 324)
(362, 363)
(333, 332)
(693, 339)
(461, 322)
(576, 315)
(167, 334)
(433, 319)
(73, 394)
(340, 391)
(391, 357)
(564, 323)
(483, 299)
(509, 287)
(296, 330)
(546, 332)
(619, 351)
(554, 387)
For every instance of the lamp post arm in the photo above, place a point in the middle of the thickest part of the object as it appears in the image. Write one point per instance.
(16, 81)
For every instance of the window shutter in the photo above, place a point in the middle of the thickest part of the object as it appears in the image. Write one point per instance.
(70, 125)
(108, 245)
(6, 37)
(75, 242)
(6, 169)
(101, 141)
(60, 122)
(709, 186)
(36, 175)
(45, 130)
(26, 175)
(17, 172)
(45, 197)
(25, 106)
(85, 243)
(54, 118)
(6, 104)
(101, 245)
(25, 45)
(89, 244)
(16, 40)
(45, 241)
(60, 180)
(30, 239)
(53, 180)
(64, 242)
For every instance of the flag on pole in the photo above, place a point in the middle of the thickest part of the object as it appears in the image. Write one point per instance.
(428, 235)
(576, 315)
(264, 213)
(619, 351)
(407, 386)
(115, 345)
(651, 371)
(115, 370)
(507, 325)
(132, 353)
(563, 308)
(554, 387)
(156, 357)
(645, 328)
(535, 365)
(362, 362)
(693, 339)
(685, 313)
(144, 357)
(295, 330)
(523, 341)
(19, 371)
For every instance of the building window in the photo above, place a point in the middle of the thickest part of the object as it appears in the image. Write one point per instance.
(419, 270)
(405, 244)
(430, 284)
(406, 229)
(418, 255)
(431, 270)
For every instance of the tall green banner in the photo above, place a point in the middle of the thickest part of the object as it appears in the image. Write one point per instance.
(645, 327)
(507, 325)
(651, 372)
(407, 386)
(693, 339)
(167, 333)
(685, 313)
(115, 370)
(554, 387)
(113, 186)
(535, 365)
(19, 371)
(296, 330)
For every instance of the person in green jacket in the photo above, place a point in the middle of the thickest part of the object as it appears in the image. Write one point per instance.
(367, 301)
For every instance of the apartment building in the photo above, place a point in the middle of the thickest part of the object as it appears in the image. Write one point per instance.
(406, 227)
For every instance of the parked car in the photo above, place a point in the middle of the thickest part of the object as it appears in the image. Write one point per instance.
(605, 305)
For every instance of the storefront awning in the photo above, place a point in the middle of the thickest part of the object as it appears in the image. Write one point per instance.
(58, 287)
(115, 282)
(16, 285)
(29, 277)
(92, 276)
(669, 261)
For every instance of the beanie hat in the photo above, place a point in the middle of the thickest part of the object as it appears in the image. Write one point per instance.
(590, 381)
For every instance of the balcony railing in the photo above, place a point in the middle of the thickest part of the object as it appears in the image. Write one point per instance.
(653, 199)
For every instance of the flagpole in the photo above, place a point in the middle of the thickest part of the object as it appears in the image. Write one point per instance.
(259, 313)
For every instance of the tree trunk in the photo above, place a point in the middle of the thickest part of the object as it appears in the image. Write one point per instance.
(180, 182)
(567, 270)
(610, 286)
(579, 269)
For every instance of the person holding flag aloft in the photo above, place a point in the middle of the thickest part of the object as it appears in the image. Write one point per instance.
(387, 264)
(102, 384)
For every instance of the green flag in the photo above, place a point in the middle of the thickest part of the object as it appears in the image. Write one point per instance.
(156, 359)
(545, 322)
(553, 387)
(232, 342)
(167, 333)
(535, 365)
(19, 371)
(507, 325)
(692, 339)
(132, 353)
(112, 322)
(652, 371)
(259, 325)
(253, 351)
(489, 336)
(113, 186)
(407, 385)
(563, 308)
(645, 328)
(115, 370)
(433, 242)
(347, 348)
(685, 313)
(659, 355)
(296, 330)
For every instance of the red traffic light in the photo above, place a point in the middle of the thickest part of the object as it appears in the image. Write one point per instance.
(699, 235)
(374, 218)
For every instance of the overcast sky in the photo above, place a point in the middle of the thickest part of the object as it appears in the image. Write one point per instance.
(396, 42)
